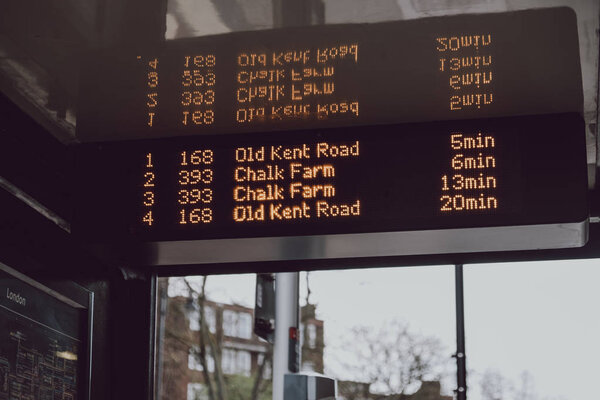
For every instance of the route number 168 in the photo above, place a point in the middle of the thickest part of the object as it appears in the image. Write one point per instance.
(195, 216)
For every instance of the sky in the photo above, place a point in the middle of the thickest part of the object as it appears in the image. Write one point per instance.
(539, 317)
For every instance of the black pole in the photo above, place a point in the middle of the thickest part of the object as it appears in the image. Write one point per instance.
(461, 362)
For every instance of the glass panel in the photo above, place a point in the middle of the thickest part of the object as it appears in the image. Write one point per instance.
(231, 348)
(189, 18)
(588, 11)
(230, 323)
(244, 362)
(211, 319)
(381, 332)
(532, 330)
(312, 335)
(194, 318)
(228, 361)
(193, 362)
(245, 325)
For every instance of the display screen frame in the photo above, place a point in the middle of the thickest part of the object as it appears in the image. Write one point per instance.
(527, 84)
(434, 239)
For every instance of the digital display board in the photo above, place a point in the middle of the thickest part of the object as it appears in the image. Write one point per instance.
(386, 178)
(438, 135)
(442, 68)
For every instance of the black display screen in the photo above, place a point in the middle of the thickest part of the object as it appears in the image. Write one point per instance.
(436, 175)
(43, 344)
(442, 68)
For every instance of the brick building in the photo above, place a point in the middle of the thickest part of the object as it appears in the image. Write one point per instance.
(180, 372)
(230, 329)
(429, 390)
(312, 339)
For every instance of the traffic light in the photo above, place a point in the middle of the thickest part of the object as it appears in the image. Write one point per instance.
(264, 310)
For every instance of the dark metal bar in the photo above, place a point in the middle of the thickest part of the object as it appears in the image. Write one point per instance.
(89, 354)
(461, 362)
(151, 367)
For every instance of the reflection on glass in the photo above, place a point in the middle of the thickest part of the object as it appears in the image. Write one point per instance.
(191, 18)
(588, 11)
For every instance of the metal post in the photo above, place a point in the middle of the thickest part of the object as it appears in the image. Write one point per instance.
(286, 356)
(461, 362)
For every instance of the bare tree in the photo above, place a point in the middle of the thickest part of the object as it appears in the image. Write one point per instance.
(308, 291)
(494, 386)
(395, 360)
(216, 383)
(526, 389)
(206, 338)
(259, 384)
